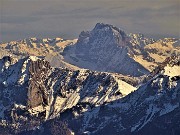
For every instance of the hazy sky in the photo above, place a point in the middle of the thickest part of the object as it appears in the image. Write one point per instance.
(67, 18)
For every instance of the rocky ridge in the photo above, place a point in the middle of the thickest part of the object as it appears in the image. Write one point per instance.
(35, 96)
(127, 54)
(49, 48)
(38, 98)
(152, 109)
(32, 90)
(132, 54)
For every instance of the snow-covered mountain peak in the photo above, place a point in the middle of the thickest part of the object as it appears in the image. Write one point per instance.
(140, 40)
(154, 105)
(172, 66)
(103, 26)
(95, 102)
(104, 45)
(34, 58)
(104, 30)
(169, 68)
(7, 61)
(33, 83)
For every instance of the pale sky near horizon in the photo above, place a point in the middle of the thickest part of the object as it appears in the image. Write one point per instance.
(21, 19)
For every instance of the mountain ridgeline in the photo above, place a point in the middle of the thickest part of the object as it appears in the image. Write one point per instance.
(107, 48)
(31, 86)
(106, 82)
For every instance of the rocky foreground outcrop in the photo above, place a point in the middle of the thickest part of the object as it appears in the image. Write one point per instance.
(33, 92)
(39, 99)
(152, 109)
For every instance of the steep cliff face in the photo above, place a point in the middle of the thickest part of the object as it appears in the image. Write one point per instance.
(105, 48)
(35, 96)
(37, 91)
(33, 90)
(152, 109)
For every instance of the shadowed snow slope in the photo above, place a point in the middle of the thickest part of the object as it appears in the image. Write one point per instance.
(104, 49)
(31, 88)
(36, 96)
(107, 48)
(152, 109)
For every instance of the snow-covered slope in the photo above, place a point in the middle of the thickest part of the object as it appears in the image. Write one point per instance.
(104, 49)
(37, 46)
(107, 48)
(49, 48)
(31, 88)
(152, 109)
(36, 97)
(32, 92)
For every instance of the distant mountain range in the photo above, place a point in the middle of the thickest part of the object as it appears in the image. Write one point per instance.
(107, 48)
(105, 82)
(104, 48)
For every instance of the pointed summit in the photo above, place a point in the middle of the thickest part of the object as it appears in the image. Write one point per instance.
(105, 45)
(106, 26)
(104, 34)
(110, 30)
(102, 25)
